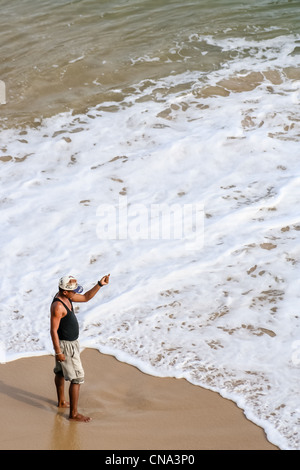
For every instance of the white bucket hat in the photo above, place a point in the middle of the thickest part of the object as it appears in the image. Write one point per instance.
(70, 283)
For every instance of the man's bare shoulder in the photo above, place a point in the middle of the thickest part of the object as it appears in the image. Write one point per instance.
(57, 308)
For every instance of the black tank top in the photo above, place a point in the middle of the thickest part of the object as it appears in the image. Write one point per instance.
(68, 327)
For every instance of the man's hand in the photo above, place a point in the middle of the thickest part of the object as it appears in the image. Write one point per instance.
(104, 280)
(60, 357)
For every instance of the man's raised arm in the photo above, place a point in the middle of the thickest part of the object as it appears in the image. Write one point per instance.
(92, 292)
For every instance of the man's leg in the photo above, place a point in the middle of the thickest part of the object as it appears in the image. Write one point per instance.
(60, 389)
(74, 395)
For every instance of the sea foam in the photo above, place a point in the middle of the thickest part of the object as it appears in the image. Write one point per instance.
(223, 314)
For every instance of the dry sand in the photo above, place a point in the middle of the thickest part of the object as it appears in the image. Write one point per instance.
(130, 410)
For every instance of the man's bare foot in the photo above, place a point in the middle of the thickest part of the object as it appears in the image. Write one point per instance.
(63, 404)
(79, 417)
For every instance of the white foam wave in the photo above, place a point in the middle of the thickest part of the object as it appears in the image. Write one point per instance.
(224, 315)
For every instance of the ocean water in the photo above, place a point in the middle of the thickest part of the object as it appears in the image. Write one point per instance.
(158, 141)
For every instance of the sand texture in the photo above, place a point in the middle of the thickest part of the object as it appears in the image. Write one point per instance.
(130, 410)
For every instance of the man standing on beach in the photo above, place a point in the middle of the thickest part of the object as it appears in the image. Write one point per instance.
(64, 332)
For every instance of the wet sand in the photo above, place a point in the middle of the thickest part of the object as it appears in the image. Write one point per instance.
(130, 410)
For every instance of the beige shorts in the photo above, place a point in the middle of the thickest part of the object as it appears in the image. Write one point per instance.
(71, 368)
